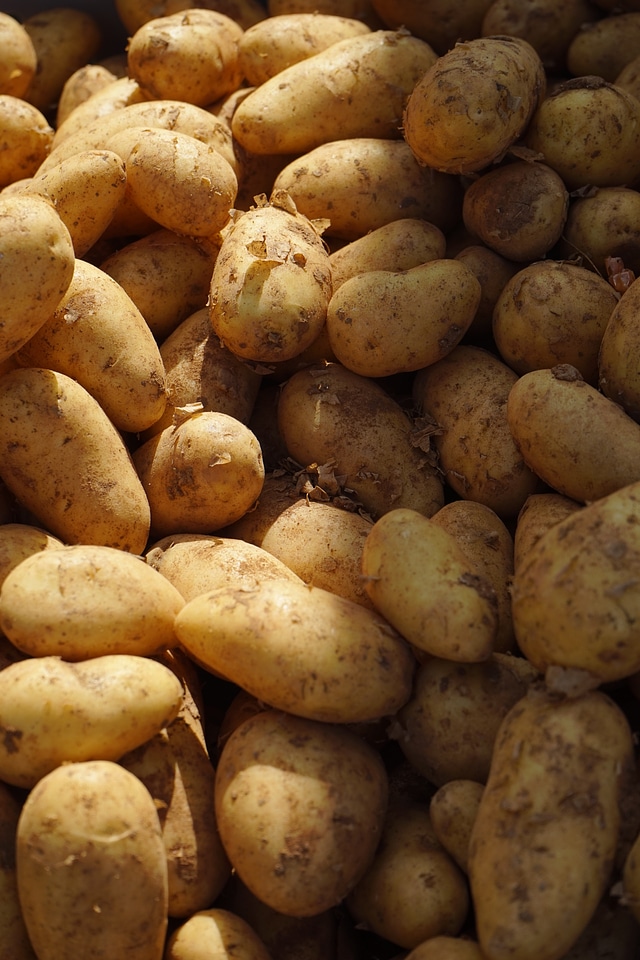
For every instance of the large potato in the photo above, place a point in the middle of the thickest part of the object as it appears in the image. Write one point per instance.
(65, 462)
(300, 649)
(15, 943)
(300, 807)
(545, 834)
(92, 874)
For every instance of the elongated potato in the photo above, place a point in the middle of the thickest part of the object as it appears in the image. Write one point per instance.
(66, 462)
(545, 834)
(453, 809)
(97, 820)
(300, 649)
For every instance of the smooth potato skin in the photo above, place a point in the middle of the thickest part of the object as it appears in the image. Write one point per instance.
(544, 838)
(453, 808)
(226, 935)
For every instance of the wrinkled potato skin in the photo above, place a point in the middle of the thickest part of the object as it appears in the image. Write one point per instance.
(619, 357)
(548, 823)
(225, 933)
(453, 808)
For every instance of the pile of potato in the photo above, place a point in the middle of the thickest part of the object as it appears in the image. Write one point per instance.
(320, 481)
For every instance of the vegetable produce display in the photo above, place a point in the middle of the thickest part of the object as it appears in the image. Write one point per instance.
(320, 480)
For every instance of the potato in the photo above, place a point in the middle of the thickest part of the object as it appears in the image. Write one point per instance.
(363, 183)
(398, 245)
(329, 415)
(434, 21)
(200, 475)
(67, 464)
(474, 103)
(290, 803)
(134, 13)
(357, 87)
(275, 43)
(493, 271)
(74, 602)
(447, 729)
(271, 283)
(26, 139)
(19, 541)
(97, 336)
(618, 356)
(80, 86)
(359, 9)
(553, 312)
(55, 712)
(91, 866)
(446, 948)
(539, 512)
(579, 442)
(215, 934)
(15, 942)
(412, 890)
(603, 224)
(545, 833)
(453, 808)
(299, 649)
(604, 48)
(628, 76)
(588, 131)
(198, 563)
(493, 207)
(17, 57)
(64, 39)
(121, 92)
(463, 398)
(191, 55)
(166, 275)
(575, 595)
(380, 322)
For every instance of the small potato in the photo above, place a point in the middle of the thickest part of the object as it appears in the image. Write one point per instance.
(545, 833)
(276, 42)
(493, 272)
(56, 712)
(26, 139)
(80, 86)
(579, 442)
(200, 475)
(473, 103)
(19, 541)
(447, 948)
(381, 323)
(215, 934)
(453, 808)
(271, 283)
(331, 415)
(363, 183)
(539, 512)
(412, 890)
(121, 92)
(618, 376)
(519, 210)
(92, 820)
(74, 602)
(344, 663)
(64, 39)
(66, 462)
(604, 47)
(447, 729)
(97, 336)
(420, 579)
(290, 802)
(18, 59)
(603, 224)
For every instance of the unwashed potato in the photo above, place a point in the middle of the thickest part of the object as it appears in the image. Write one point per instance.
(604, 47)
(618, 357)
(493, 272)
(80, 86)
(18, 59)
(289, 804)
(27, 137)
(603, 224)
(64, 39)
(539, 512)
(119, 701)
(435, 21)
(134, 13)
(67, 464)
(345, 664)
(453, 808)
(97, 820)
(548, 822)
(97, 336)
(85, 601)
(215, 934)
(121, 92)
(357, 9)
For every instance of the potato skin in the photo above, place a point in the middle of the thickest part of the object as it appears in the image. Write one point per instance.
(224, 932)
(620, 352)
(453, 808)
(545, 834)
(96, 820)
(18, 59)
(64, 39)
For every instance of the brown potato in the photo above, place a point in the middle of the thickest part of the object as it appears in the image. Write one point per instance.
(618, 375)
(447, 948)
(539, 512)
(453, 808)
(434, 20)
(605, 47)
(64, 39)
(603, 224)
(359, 9)
(26, 139)
(222, 933)
(18, 59)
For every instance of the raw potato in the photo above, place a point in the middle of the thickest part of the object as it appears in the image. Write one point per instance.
(92, 820)
(453, 809)
(579, 442)
(86, 601)
(603, 224)
(134, 13)
(121, 92)
(631, 879)
(64, 39)
(97, 336)
(435, 21)
(289, 804)
(605, 47)
(380, 323)
(26, 139)
(546, 830)
(344, 663)
(15, 944)
(359, 9)
(54, 712)
(222, 935)
(447, 948)
(356, 88)
(412, 890)
(618, 376)
(420, 579)
(67, 464)
(474, 103)
(18, 58)
(271, 283)
(81, 85)
(493, 271)
(539, 512)
(21, 540)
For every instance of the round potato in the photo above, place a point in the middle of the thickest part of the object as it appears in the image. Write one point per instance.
(446, 948)
(27, 137)
(539, 512)
(21, 540)
(80, 86)
(64, 39)
(603, 224)
(18, 59)
(604, 47)
(222, 934)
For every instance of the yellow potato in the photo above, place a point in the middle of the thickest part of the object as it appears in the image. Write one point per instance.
(67, 464)
(85, 601)
(91, 866)
(290, 803)
(121, 92)
(453, 808)
(493, 271)
(64, 39)
(134, 13)
(80, 86)
(604, 47)
(544, 837)
(436, 21)
(19, 541)
(539, 512)
(26, 139)
(18, 59)
(221, 934)
(618, 357)
(603, 224)
(57, 712)
(344, 663)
